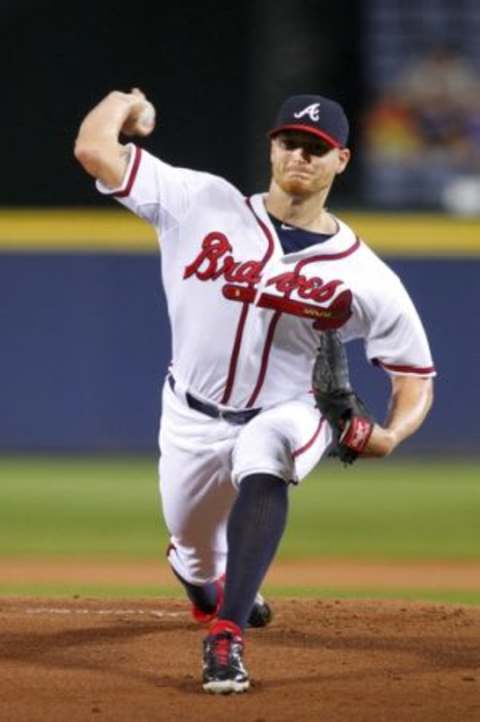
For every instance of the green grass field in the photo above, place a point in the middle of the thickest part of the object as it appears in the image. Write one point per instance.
(108, 508)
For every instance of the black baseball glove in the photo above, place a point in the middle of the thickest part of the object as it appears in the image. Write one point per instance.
(346, 413)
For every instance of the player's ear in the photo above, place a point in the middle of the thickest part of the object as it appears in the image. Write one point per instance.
(272, 148)
(344, 156)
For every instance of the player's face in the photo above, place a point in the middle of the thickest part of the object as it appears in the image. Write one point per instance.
(303, 164)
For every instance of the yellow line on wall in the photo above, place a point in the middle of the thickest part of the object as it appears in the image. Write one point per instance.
(118, 231)
(64, 231)
(417, 234)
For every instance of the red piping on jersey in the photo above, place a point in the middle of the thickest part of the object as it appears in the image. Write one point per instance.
(133, 174)
(265, 355)
(246, 306)
(235, 353)
(329, 257)
(310, 442)
(275, 319)
(422, 370)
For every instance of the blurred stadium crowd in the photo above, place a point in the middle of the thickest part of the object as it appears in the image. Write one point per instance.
(407, 74)
(422, 128)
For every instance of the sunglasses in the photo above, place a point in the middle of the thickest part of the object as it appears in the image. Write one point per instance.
(310, 146)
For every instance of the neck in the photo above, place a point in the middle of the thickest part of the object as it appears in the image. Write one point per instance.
(306, 212)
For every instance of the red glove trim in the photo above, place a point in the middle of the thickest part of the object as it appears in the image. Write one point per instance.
(357, 433)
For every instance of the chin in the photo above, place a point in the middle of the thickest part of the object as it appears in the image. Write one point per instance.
(295, 187)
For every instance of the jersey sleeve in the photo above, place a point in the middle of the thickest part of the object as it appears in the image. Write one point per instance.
(154, 190)
(396, 339)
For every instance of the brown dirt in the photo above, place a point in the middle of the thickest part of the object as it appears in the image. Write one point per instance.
(312, 573)
(324, 661)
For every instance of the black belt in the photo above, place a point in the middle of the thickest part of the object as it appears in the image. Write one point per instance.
(233, 417)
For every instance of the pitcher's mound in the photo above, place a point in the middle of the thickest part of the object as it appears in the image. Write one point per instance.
(325, 661)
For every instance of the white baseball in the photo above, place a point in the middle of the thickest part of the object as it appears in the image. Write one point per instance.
(146, 118)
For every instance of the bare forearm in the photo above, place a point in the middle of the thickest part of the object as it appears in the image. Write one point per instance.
(410, 403)
(409, 406)
(97, 146)
(104, 122)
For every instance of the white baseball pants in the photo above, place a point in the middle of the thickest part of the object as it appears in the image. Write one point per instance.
(203, 460)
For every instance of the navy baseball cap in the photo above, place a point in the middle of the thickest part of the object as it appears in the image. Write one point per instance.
(314, 114)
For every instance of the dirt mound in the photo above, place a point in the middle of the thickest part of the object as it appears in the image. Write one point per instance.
(329, 661)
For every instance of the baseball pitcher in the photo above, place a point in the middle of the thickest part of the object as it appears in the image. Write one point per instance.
(262, 292)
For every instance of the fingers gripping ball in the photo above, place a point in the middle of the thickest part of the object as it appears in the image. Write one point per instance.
(141, 121)
(146, 118)
(351, 422)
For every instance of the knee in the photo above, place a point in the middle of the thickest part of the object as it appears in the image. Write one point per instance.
(262, 483)
(266, 454)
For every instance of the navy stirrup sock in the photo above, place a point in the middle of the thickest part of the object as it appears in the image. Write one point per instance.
(205, 597)
(256, 525)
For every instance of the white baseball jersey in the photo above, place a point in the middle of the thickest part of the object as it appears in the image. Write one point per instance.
(245, 321)
(245, 318)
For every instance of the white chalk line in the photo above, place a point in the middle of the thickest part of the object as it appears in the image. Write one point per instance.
(160, 614)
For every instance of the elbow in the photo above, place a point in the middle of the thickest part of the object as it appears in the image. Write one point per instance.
(82, 151)
(429, 395)
(88, 156)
